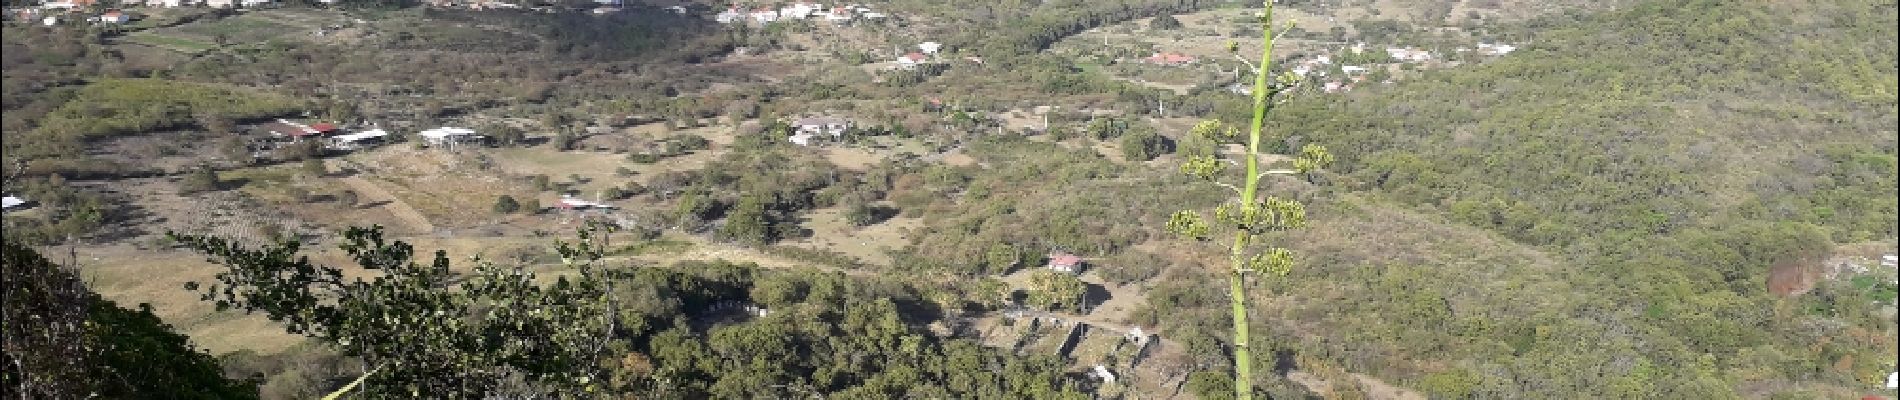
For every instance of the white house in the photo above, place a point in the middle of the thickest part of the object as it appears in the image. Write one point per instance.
(840, 15)
(1103, 374)
(1408, 54)
(113, 17)
(800, 10)
(357, 140)
(731, 15)
(569, 202)
(1495, 49)
(10, 202)
(50, 21)
(1893, 380)
(829, 126)
(930, 47)
(765, 16)
(446, 136)
(1352, 69)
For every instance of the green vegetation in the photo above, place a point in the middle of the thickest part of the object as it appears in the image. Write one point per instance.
(64, 341)
(645, 332)
(1250, 214)
(121, 106)
(506, 205)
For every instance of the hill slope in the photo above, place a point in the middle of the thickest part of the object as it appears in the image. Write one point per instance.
(1665, 155)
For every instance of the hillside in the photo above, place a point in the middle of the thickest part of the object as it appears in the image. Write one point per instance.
(1663, 157)
(1645, 199)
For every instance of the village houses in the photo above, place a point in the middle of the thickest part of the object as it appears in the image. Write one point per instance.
(806, 129)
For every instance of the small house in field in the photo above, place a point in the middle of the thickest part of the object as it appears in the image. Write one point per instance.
(929, 47)
(448, 136)
(358, 140)
(571, 203)
(297, 131)
(10, 203)
(911, 61)
(114, 17)
(822, 125)
(1065, 263)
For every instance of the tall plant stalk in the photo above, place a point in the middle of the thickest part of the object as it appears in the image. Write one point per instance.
(1248, 214)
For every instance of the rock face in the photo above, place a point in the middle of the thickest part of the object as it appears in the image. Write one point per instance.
(1792, 278)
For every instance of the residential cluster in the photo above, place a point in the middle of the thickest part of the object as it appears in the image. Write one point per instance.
(797, 11)
(282, 133)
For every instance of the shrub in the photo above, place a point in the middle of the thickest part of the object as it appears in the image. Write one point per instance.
(506, 205)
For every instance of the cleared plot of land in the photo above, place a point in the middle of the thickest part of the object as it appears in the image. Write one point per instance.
(448, 189)
(131, 276)
(830, 231)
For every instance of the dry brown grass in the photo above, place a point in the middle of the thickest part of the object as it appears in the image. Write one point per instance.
(830, 231)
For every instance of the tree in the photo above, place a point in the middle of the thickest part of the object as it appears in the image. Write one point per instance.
(425, 328)
(62, 341)
(1165, 22)
(1249, 215)
(748, 223)
(506, 134)
(1056, 290)
(1144, 145)
(506, 205)
(199, 180)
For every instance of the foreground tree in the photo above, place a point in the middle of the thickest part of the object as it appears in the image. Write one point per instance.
(423, 328)
(1249, 214)
(62, 341)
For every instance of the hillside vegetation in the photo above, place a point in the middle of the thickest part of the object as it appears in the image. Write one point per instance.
(1664, 157)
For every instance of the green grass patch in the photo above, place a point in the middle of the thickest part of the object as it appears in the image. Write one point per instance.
(239, 29)
(113, 107)
(655, 247)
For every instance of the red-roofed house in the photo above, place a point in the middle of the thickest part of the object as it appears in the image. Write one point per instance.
(114, 17)
(1065, 263)
(909, 61)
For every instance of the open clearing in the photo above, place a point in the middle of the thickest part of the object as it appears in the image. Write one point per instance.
(830, 231)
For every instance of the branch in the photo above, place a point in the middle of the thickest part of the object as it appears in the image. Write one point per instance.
(1229, 187)
(1249, 63)
(1276, 172)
